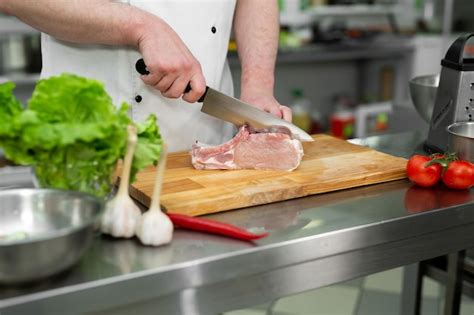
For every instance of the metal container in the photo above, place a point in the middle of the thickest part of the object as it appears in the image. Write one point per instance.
(423, 94)
(461, 140)
(43, 231)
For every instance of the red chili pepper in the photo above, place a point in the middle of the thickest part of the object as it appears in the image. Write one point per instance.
(214, 227)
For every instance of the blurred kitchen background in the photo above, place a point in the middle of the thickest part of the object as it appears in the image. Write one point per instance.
(343, 65)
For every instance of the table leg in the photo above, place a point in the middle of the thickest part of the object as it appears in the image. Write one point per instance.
(270, 307)
(455, 269)
(412, 286)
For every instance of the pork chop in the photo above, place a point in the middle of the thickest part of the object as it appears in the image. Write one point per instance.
(250, 150)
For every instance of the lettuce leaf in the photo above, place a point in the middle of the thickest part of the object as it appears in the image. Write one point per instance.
(148, 146)
(10, 108)
(72, 134)
(86, 99)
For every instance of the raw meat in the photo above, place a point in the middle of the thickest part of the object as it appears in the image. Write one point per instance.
(250, 150)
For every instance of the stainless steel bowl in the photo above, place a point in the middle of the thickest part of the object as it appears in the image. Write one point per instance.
(461, 140)
(43, 231)
(423, 94)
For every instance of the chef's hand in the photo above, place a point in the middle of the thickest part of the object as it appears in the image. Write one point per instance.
(170, 63)
(264, 100)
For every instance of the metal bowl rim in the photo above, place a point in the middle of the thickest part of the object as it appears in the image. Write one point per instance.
(448, 129)
(414, 80)
(59, 232)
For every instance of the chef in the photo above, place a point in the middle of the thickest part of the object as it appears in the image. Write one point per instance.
(181, 41)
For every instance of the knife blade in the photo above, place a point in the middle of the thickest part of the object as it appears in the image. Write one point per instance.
(227, 108)
(224, 107)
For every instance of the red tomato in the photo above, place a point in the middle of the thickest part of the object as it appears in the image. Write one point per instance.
(459, 175)
(422, 175)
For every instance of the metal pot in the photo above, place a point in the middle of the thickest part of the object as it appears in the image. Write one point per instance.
(43, 231)
(461, 140)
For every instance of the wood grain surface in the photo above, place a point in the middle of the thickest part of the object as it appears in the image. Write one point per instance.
(329, 164)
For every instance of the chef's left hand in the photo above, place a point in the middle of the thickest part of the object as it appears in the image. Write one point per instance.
(265, 101)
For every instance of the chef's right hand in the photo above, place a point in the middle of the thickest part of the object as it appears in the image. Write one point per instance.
(170, 63)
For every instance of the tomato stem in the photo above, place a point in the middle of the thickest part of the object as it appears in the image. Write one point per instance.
(443, 160)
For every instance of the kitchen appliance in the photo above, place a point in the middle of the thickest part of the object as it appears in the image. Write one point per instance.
(329, 164)
(455, 95)
(43, 231)
(232, 110)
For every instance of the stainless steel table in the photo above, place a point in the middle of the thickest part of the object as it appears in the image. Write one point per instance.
(314, 242)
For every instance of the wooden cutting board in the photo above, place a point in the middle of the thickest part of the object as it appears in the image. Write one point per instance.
(329, 164)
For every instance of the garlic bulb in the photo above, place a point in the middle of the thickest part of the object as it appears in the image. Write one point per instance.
(120, 217)
(155, 228)
(121, 213)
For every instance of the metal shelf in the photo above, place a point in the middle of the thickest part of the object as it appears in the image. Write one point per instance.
(352, 10)
(310, 15)
(391, 46)
(442, 276)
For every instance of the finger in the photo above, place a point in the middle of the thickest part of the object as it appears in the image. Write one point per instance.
(286, 113)
(165, 83)
(177, 88)
(198, 87)
(274, 110)
(151, 79)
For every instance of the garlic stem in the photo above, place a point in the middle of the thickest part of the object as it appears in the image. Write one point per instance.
(127, 165)
(155, 199)
(121, 214)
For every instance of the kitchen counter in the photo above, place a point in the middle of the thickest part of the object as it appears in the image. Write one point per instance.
(314, 242)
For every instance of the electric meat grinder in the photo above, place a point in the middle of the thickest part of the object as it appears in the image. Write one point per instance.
(455, 96)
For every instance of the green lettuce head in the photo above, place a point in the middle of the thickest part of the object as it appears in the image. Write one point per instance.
(72, 134)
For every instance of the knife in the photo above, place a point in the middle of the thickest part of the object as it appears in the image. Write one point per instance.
(232, 110)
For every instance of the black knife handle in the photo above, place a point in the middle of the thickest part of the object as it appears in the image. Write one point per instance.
(141, 68)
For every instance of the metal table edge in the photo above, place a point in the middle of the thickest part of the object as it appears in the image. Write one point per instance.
(190, 273)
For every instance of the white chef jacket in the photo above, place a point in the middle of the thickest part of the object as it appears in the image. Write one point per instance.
(204, 26)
